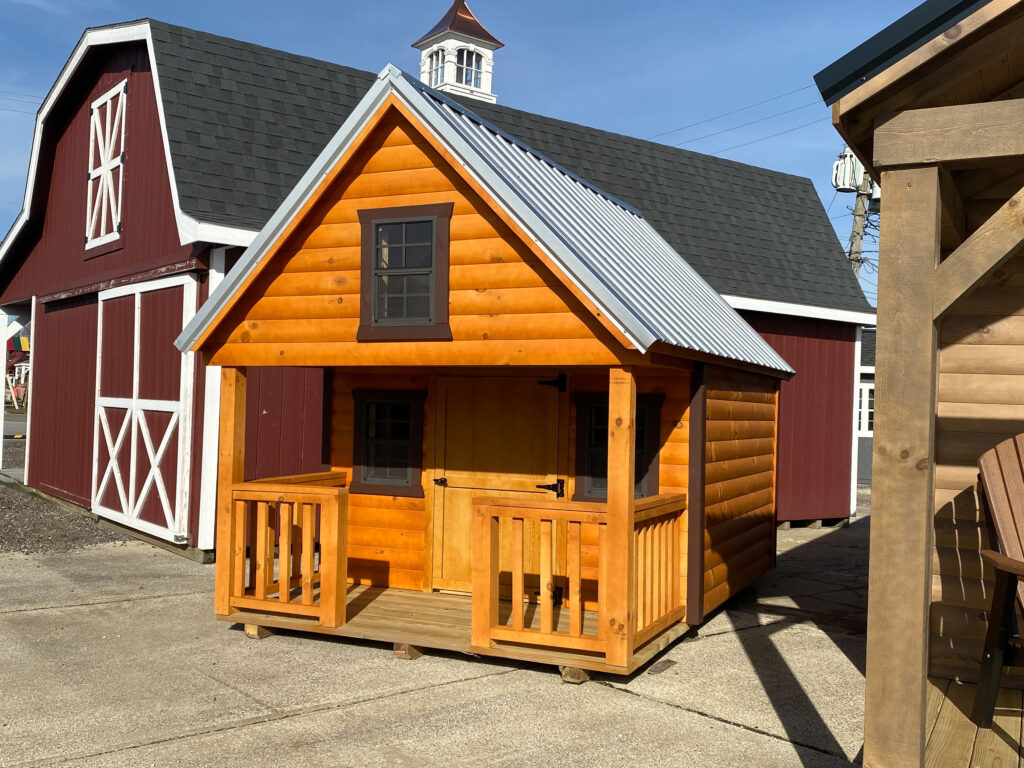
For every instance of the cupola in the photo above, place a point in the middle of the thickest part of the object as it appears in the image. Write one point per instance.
(457, 55)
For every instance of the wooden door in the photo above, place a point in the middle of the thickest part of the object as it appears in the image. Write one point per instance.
(496, 437)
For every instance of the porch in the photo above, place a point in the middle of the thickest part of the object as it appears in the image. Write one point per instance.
(545, 576)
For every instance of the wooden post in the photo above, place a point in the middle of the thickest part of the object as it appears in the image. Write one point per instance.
(620, 554)
(334, 559)
(230, 470)
(902, 491)
(485, 577)
(695, 496)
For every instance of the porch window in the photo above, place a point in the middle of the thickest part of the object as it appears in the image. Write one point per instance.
(592, 444)
(106, 167)
(404, 291)
(388, 447)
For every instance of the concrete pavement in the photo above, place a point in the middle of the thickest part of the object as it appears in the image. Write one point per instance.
(110, 656)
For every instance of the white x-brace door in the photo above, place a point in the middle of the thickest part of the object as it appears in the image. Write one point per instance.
(135, 437)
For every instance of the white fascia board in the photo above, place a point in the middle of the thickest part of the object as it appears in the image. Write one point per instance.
(801, 310)
(867, 369)
(189, 229)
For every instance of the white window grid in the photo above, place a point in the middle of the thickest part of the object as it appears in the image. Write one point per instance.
(866, 408)
(470, 67)
(436, 67)
(106, 166)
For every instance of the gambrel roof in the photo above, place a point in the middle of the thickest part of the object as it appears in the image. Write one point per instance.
(242, 124)
(601, 246)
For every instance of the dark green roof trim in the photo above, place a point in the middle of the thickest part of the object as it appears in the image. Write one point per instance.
(893, 43)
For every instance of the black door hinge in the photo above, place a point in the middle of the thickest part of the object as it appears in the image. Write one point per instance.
(560, 382)
(558, 487)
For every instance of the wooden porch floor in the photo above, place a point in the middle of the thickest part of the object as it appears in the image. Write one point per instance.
(442, 621)
(955, 742)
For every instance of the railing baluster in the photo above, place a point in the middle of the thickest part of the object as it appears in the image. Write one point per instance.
(546, 606)
(572, 574)
(238, 509)
(307, 554)
(261, 550)
(284, 562)
(658, 574)
(250, 507)
(518, 588)
(602, 580)
(294, 515)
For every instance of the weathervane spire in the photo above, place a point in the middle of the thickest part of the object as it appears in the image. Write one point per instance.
(457, 54)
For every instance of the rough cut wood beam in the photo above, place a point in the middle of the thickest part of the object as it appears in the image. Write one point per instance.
(902, 529)
(956, 134)
(953, 216)
(988, 248)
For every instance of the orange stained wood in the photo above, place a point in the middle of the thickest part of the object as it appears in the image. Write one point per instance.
(496, 437)
(508, 302)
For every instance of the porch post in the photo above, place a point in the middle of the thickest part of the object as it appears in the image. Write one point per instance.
(231, 469)
(620, 604)
(902, 497)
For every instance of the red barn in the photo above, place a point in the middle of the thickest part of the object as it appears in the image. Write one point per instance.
(160, 152)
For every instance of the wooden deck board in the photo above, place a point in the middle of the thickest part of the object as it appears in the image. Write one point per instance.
(953, 740)
(442, 621)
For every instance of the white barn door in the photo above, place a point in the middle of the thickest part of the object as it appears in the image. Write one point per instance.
(141, 443)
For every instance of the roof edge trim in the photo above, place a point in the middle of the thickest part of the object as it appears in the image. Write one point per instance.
(801, 310)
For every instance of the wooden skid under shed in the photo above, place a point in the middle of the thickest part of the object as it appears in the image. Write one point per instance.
(442, 621)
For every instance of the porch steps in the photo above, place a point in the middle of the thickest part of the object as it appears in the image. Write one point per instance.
(441, 621)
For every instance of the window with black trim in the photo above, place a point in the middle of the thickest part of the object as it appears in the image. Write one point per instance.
(404, 275)
(388, 442)
(592, 444)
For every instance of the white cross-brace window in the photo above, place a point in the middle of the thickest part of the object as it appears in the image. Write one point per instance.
(106, 166)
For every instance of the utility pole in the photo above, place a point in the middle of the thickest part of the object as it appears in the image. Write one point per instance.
(860, 214)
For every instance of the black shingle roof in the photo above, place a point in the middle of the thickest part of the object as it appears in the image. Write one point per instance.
(245, 122)
(867, 347)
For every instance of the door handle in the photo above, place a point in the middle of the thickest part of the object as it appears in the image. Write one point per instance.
(442, 481)
(558, 487)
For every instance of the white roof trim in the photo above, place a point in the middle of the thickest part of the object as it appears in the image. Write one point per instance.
(190, 230)
(801, 310)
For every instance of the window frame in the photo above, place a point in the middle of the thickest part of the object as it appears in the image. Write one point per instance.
(437, 328)
(652, 404)
(471, 71)
(866, 409)
(361, 399)
(101, 122)
(435, 67)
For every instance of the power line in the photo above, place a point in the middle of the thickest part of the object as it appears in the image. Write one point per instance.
(20, 101)
(19, 111)
(26, 95)
(727, 114)
(831, 203)
(744, 125)
(772, 136)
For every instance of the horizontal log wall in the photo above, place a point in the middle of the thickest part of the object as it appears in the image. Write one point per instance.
(739, 488)
(980, 403)
(505, 306)
(387, 534)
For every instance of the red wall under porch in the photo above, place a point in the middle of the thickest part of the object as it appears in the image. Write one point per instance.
(815, 414)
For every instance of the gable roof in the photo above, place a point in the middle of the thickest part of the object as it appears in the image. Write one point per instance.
(902, 37)
(460, 19)
(242, 124)
(603, 248)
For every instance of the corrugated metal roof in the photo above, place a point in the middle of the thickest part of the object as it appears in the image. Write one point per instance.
(605, 248)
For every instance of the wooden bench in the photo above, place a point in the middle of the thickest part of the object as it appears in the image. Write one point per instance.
(1002, 480)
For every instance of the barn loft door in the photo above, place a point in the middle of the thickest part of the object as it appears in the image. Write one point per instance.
(496, 437)
(141, 463)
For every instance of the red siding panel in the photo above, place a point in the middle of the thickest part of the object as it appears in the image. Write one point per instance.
(159, 359)
(815, 414)
(118, 347)
(284, 425)
(63, 397)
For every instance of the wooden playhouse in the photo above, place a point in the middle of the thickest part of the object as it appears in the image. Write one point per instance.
(549, 438)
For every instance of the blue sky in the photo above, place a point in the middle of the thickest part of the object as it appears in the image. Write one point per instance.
(641, 69)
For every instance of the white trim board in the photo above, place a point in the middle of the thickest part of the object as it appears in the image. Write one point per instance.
(801, 310)
(190, 229)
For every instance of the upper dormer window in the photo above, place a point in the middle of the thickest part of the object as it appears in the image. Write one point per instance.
(469, 67)
(436, 70)
(106, 166)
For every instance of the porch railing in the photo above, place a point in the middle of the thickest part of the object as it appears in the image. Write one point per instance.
(562, 549)
(290, 546)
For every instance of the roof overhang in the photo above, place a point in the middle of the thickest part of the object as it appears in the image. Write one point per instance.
(190, 229)
(801, 310)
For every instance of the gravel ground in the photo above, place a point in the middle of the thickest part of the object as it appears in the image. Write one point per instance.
(30, 523)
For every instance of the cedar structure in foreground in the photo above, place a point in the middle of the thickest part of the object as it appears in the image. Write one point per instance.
(937, 119)
(533, 453)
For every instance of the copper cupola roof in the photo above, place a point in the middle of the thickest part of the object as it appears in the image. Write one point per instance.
(461, 20)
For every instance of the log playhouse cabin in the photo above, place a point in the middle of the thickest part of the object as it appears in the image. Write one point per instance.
(550, 439)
